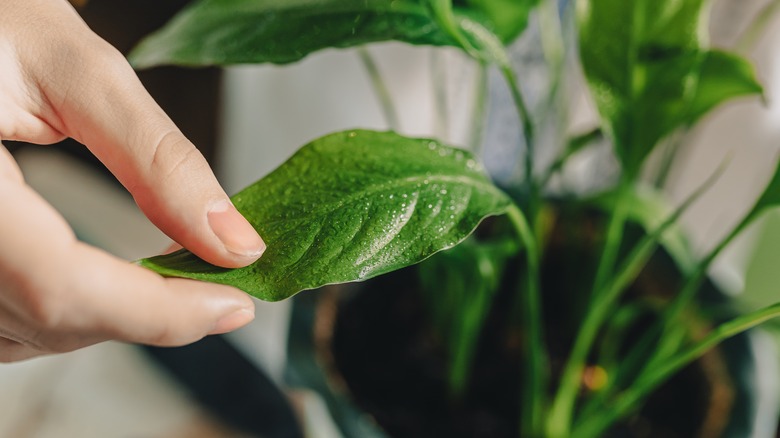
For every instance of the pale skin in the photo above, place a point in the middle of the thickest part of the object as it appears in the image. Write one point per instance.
(58, 79)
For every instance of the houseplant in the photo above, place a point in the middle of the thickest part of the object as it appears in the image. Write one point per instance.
(356, 204)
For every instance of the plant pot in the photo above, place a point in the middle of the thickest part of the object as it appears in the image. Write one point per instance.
(369, 351)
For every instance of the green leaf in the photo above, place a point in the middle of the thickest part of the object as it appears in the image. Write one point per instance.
(722, 77)
(650, 72)
(220, 32)
(770, 198)
(351, 206)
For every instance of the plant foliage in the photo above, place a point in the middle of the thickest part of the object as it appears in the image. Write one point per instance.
(650, 73)
(350, 206)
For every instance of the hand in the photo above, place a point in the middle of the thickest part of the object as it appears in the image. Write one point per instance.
(57, 80)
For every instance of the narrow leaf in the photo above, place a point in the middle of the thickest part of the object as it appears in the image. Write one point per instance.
(350, 206)
(770, 198)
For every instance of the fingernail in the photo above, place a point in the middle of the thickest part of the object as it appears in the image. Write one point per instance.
(234, 231)
(232, 321)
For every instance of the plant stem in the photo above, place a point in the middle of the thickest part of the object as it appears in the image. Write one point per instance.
(757, 28)
(650, 381)
(669, 336)
(480, 106)
(573, 145)
(535, 377)
(380, 88)
(691, 286)
(562, 411)
(525, 121)
(554, 48)
(439, 80)
(614, 236)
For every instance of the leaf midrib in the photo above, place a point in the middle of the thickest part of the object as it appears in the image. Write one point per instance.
(324, 209)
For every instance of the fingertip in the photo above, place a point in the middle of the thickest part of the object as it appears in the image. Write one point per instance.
(239, 238)
(201, 309)
(233, 321)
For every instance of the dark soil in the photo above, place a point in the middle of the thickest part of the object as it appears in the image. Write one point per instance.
(394, 366)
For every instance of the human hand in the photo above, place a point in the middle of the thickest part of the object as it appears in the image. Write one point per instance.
(58, 79)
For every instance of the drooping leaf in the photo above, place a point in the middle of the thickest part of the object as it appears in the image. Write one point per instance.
(350, 206)
(222, 32)
(650, 72)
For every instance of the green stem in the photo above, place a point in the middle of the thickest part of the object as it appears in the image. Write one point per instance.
(637, 258)
(380, 88)
(614, 236)
(629, 400)
(535, 376)
(602, 302)
(758, 27)
(626, 275)
(439, 80)
(573, 145)
(525, 121)
(445, 18)
(484, 46)
(480, 107)
(669, 156)
(554, 48)
(689, 289)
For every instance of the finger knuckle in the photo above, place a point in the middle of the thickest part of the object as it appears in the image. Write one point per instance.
(162, 336)
(173, 156)
(43, 307)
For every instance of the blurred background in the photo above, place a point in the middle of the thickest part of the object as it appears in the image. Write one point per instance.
(247, 120)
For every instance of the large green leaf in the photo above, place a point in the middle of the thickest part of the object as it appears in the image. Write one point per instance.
(219, 32)
(350, 206)
(649, 71)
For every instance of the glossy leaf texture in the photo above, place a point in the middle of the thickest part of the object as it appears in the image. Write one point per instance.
(220, 32)
(650, 72)
(351, 206)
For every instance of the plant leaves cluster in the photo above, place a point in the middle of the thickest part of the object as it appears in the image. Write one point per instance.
(650, 72)
(356, 204)
(350, 206)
